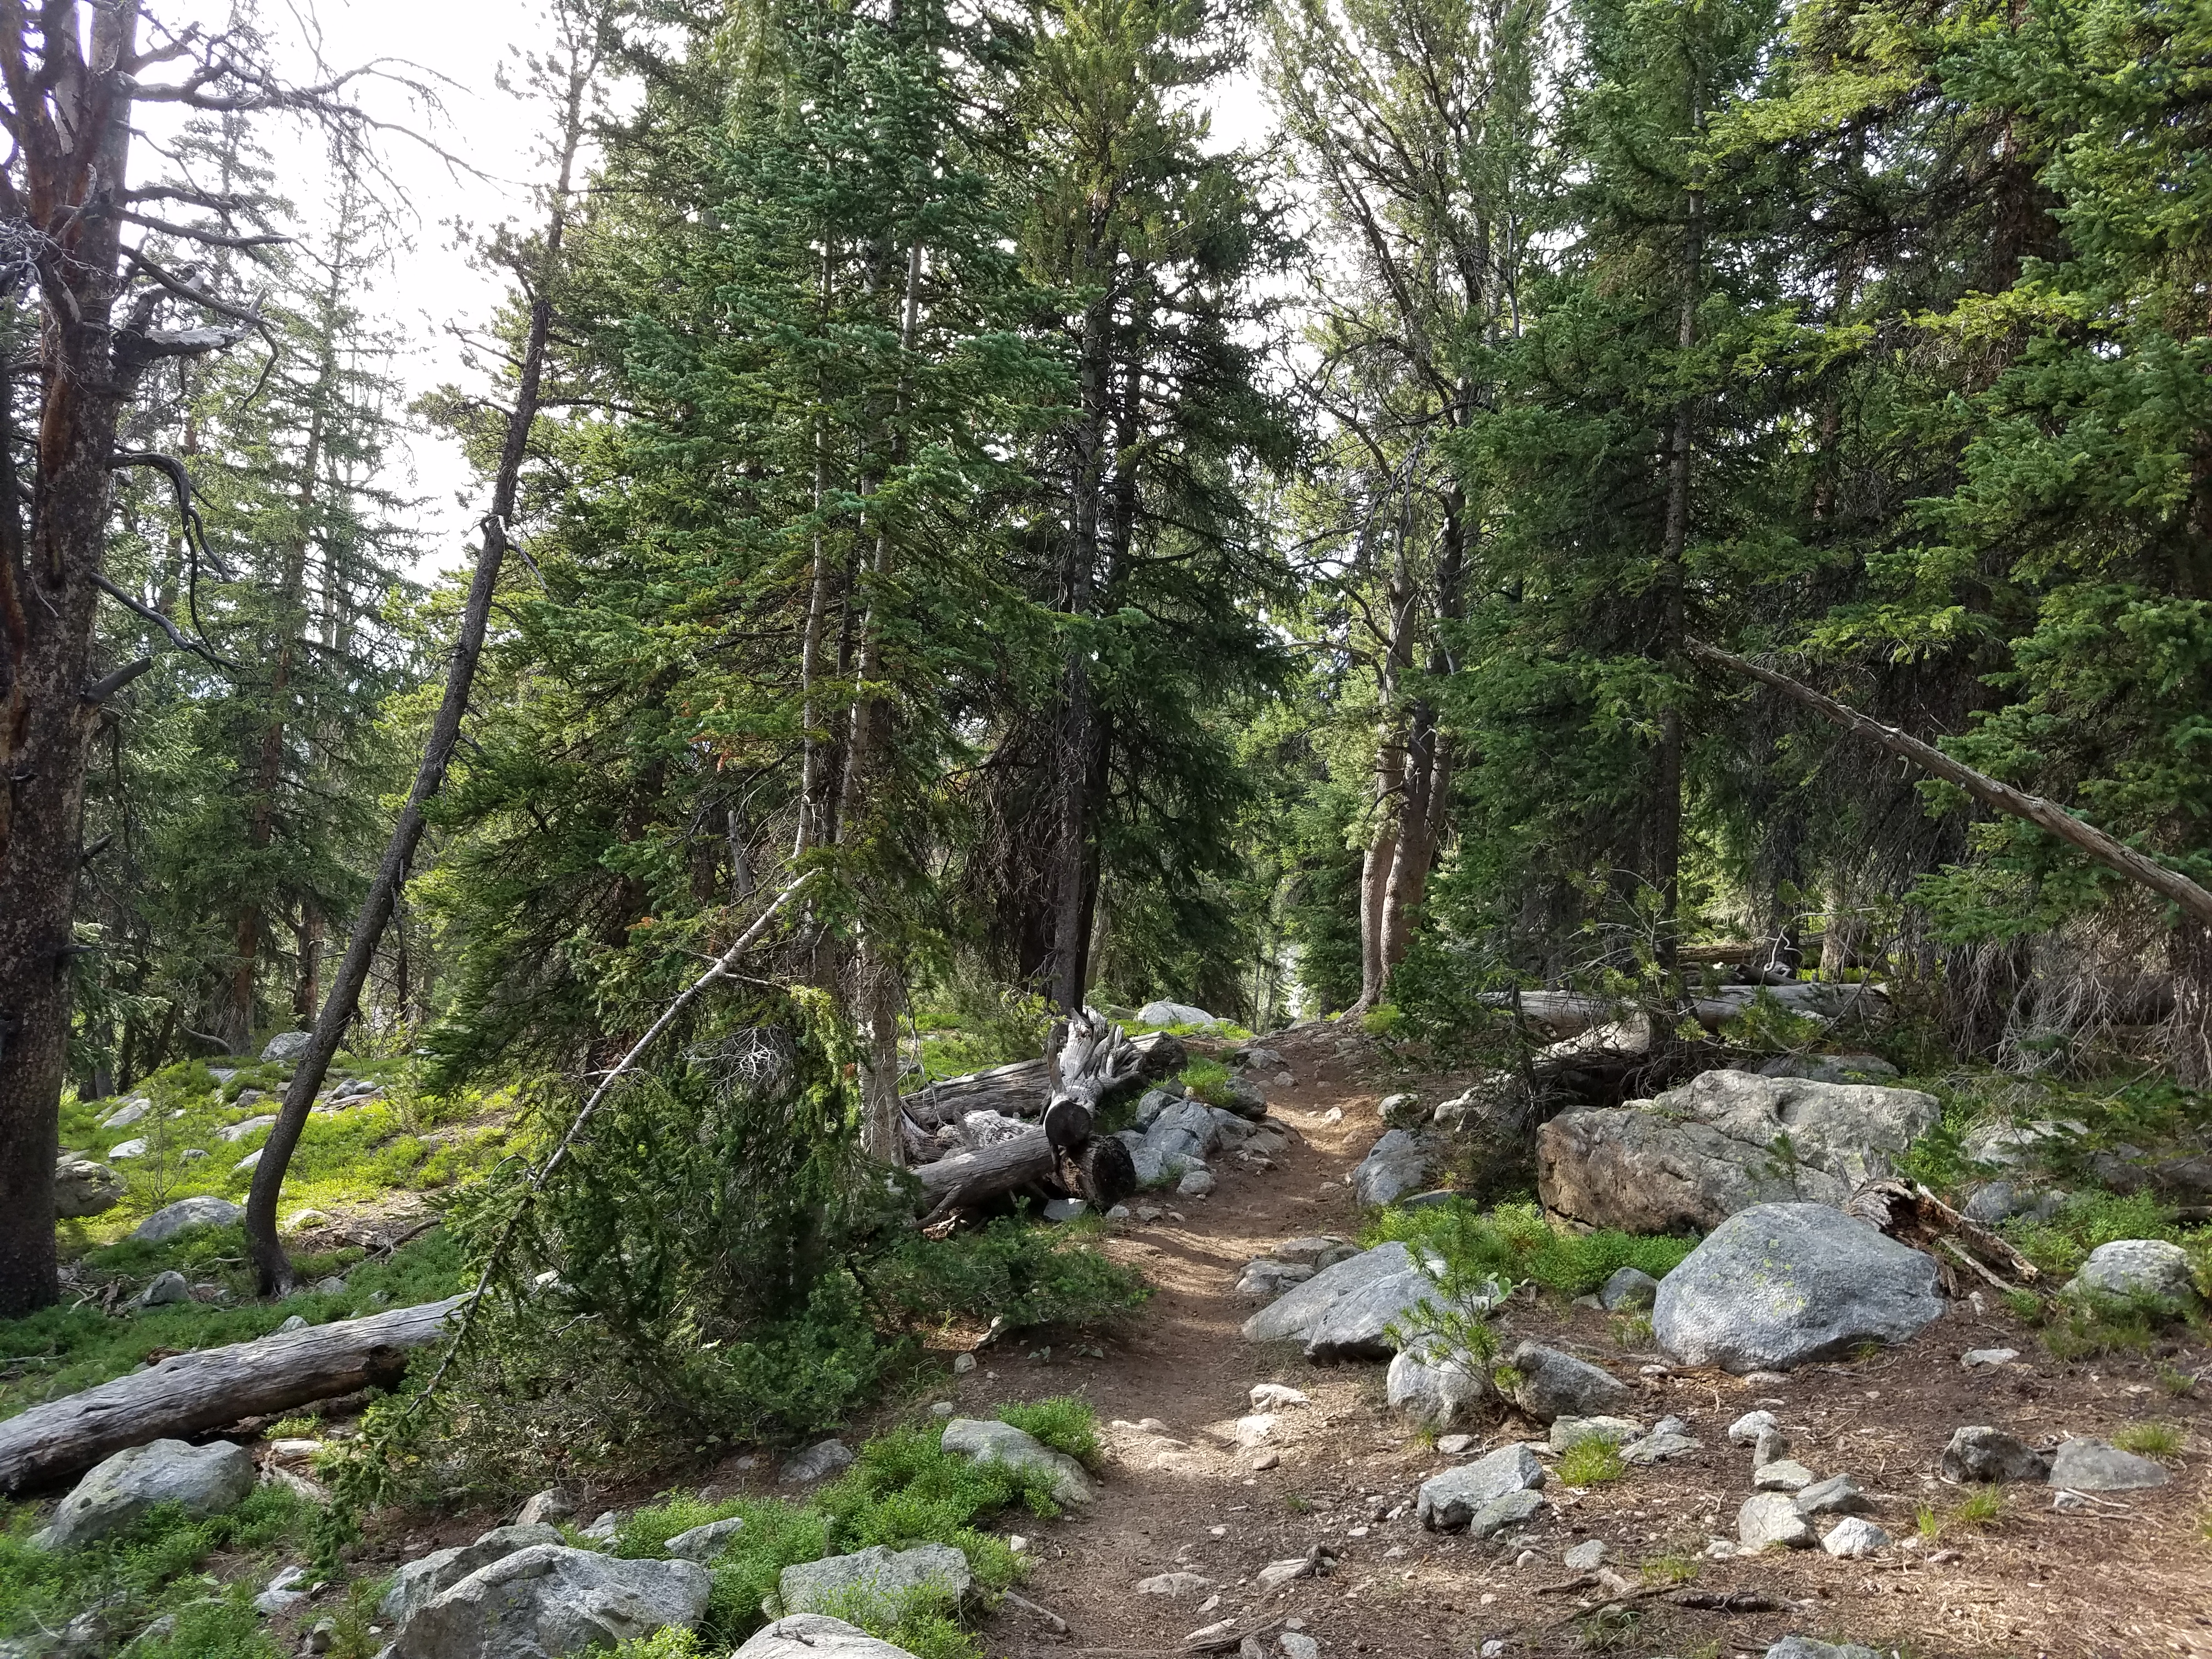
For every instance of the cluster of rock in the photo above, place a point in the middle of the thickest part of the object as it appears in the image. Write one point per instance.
(523, 1591)
(1175, 1136)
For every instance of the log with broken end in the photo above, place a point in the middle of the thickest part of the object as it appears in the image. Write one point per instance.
(1100, 1170)
(188, 1394)
(1026, 1087)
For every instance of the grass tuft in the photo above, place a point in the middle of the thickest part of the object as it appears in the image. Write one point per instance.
(2150, 1439)
(1590, 1464)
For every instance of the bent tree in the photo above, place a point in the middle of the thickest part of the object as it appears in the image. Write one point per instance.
(104, 276)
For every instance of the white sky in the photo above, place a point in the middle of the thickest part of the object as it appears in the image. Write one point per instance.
(432, 286)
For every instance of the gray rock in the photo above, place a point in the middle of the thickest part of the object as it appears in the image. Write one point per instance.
(1747, 1428)
(237, 1132)
(1305, 1250)
(1197, 1181)
(603, 1527)
(1514, 1509)
(878, 1574)
(1783, 1285)
(1568, 1432)
(1769, 1519)
(1295, 1314)
(1853, 1539)
(83, 1188)
(1335, 1254)
(186, 1213)
(165, 1290)
(283, 1591)
(2016, 1145)
(203, 1480)
(1436, 1388)
(2099, 1465)
(1772, 1443)
(1781, 1474)
(295, 1322)
(1402, 1111)
(1242, 1097)
(420, 1583)
(2134, 1267)
(1658, 1446)
(1991, 1202)
(1982, 1453)
(1804, 1646)
(251, 1161)
(1367, 1321)
(704, 1543)
(818, 1462)
(1629, 1288)
(285, 1048)
(1721, 1144)
(1838, 1495)
(1269, 1277)
(551, 1504)
(1151, 1104)
(132, 1111)
(1297, 1645)
(1553, 1384)
(1448, 1501)
(1190, 1583)
(986, 1441)
(546, 1601)
(1981, 1358)
(125, 1148)
(1586, 1557)
(1401, 1162)
(815, 1636)
(1253, 1057)
(1163, 1012)
(1829, 1068)
(1064, 1209)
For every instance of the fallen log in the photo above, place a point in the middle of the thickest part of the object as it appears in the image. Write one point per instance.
(190, 1393)
(1024, 1088)
(1100, 1170)
(1911, 1214)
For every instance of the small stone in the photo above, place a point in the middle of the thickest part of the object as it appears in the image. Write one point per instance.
(549, 1505)
(1017, 1543)
(1568, 1432)
(1064, 1209)
(1629, 1289)
(294, 1323)
(1982, 1453)
(1451, 1445)
(1197, 1181)
(1254, 1430)
(1555, 1384)
(1804, 1646)
(1977, 1358)
(2099, 1465)
(1175, 1584)
(1450, 1501)
(1274, 1396)
(320, 1638)
(603, 1527)
(299, 1220)
(1333, 1115)
(1209, 1632)
(819, 1462)
(165, 1290)
(2137, 1267)
(1853, 1537)
(1671, 1426)
(940, 1408)
(1119, 1212)
(1276, 1574)
(878, 1572)
(1657, 1448)
(962, 1363)
(183, 1216)
(1297, 1645)
(984, 1441)
(1718, 1549)
(704, 1543)
(1838, 1495)
(1769, 1519)
(1745, 1429)
(1586, 1557)
(1267, 1460)
(1772, 1444)
(1781, 1475)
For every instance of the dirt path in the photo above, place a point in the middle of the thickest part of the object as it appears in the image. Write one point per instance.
(1180, 1496)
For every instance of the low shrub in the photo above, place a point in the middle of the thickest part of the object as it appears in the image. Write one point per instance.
(1208, 1080)
(1590, 1462)
(1514, 1242)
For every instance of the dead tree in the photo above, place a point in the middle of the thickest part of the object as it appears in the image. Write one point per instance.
(571, 78)
(82, 246)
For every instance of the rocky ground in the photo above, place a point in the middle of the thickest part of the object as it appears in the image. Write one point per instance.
(1188, 1518)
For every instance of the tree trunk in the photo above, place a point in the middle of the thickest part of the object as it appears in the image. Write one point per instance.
(1023, 1089)
(1666, 851)
(272, 1266)
(1100, 1170)
(188, 1394)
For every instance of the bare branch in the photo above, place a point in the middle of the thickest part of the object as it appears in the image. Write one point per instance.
(147, 613)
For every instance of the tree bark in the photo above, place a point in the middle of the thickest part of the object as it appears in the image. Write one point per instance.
(189, 1393)
(272, 1266)
(71, 111)
(1666, 771)
(1024, 1088)
(1100, 1170)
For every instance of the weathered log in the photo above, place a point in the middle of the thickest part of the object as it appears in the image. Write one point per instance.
(190, 1393)
(1100, 1170)
(1024, 1089)
(1911, 1214)
(1569, 1013)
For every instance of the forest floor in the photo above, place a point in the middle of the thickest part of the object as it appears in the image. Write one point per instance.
(2116, 1580)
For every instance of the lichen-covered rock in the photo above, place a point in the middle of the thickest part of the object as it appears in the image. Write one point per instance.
(1349, 1309)
(878, 1574)
(1448, 1501)
(2136, 1267)
(184, 1215)
(1983, 1453)
(815, 1636)
(1401, 1162)
(547, 1602)
(83, 1188)
(1784, 1285)
(2099, 1465)
(987, 1440)
(1771, 1519)
(1433, 1387)
(1628, 1290)
(1721, 1143)
(1552, 1384)
(201, 1480)
(420, 1581)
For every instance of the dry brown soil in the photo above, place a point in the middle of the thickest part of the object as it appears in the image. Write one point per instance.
(2126, 1578)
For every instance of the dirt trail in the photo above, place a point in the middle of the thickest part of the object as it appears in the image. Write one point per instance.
(1180, 1494)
